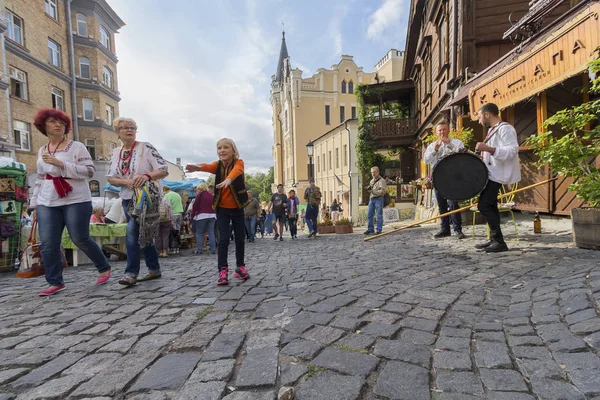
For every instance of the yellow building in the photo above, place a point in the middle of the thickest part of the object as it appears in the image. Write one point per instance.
(59, 54)
(391, 66)
(306, 108)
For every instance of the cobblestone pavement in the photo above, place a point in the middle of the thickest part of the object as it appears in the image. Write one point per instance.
(401, 317)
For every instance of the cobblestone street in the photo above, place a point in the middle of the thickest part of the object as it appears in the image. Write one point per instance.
(401, 317)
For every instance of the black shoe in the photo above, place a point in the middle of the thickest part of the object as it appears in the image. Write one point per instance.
(281, 239)
(496, 248)
(461, 236)
(310, 235)
(276, 236)
(315, 234)
(484, 245)
(442, 234)
(369, 232)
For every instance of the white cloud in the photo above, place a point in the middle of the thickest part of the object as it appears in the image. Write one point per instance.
(384, 17)
(335, 31)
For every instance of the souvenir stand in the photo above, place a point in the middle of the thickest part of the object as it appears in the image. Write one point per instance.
(13, 193)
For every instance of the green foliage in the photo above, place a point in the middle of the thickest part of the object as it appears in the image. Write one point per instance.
(465, 135)
(325, 222)
(343, 221)
(572, 154)
(265, 186)
(314, 370)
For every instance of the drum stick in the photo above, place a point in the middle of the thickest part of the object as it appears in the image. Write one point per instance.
(457, 210)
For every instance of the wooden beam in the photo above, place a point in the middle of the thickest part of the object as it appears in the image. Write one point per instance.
(541, 110)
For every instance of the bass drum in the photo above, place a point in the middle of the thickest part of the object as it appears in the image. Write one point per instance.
(460, 176)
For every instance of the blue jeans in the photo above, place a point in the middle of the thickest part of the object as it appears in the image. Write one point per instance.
(250, 227)
(375, 206)
(445, 205)
(206, 225)
(133, 248)
(235, 218)
(51, 223)
(311, 217)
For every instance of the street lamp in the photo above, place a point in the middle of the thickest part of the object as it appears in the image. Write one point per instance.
(310, 150)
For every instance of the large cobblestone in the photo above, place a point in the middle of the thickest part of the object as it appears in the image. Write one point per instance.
(366, 321)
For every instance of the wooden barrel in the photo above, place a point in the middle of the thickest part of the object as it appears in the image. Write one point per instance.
(586, 227)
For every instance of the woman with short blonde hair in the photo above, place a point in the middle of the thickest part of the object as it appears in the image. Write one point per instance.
(203, 217)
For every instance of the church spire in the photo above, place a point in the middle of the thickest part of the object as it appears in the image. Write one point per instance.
(283, 54)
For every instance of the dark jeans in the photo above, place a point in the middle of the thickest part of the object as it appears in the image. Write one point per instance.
(134, 250)
(293, 226)
(251, 227)
(445, 205)
(51, 223)
(311, 217)
(236, 217)
(488, 207)
(206, 225)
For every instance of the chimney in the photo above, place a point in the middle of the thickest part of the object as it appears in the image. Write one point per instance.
(178, 161)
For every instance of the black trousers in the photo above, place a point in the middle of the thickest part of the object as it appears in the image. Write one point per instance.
(488, 207)
(235, 216)
(445, 205)
(293, 222)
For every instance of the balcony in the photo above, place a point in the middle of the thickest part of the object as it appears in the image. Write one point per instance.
(392, 132)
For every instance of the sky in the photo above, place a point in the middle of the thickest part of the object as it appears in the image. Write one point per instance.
(193, 71)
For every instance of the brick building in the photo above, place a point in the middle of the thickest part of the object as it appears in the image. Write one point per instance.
(61, 54)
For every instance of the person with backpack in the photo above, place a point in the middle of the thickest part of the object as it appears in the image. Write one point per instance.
(378, 189)
(165, 212)
(312, 196)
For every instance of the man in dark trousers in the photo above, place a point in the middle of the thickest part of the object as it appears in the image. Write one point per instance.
(500, 153)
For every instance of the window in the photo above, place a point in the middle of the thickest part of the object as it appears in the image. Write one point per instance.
(345, 155)
(18, 83)
(52, 8)
(58, 99)
(90, 144)
(337, 157)
(427, 73)
(107, 77)
(22, 131)
(324, 162)
(318, 164)
(53, 53)
(351, 87)
(330, 163)
(109, 114)
(327, 118)
(342, 114)
(84, 68)
(14, 28)
(82, 25)
(443, 45)
(344, 86)
(88, 110)
(104, 38)
(95, 188)
(353, 112)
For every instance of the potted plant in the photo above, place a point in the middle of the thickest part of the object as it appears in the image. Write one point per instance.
(343, 226)
(326, 226)
(575, 155)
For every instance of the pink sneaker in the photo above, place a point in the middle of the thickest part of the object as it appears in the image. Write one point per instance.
(223, 276)
(52, 290)
(103, 279)
(241, 273)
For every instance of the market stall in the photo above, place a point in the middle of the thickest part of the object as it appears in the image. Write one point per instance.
(13, 193)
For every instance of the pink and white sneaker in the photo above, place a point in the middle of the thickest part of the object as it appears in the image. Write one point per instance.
(241, 273)
(52, 290)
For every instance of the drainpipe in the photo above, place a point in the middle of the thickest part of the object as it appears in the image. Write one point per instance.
(73, 78)
(349, 169)
(5, 71)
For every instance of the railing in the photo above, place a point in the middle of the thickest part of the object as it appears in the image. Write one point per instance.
(398, 130)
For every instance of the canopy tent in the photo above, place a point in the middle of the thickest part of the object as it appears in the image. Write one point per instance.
(188, 185)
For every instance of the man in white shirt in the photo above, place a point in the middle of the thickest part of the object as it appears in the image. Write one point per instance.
(500, 153)
(437, 150)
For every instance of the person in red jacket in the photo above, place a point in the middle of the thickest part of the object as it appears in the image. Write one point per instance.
(203, 217)
(229, 201)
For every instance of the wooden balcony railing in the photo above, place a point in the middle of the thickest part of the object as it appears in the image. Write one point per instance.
(399, 132)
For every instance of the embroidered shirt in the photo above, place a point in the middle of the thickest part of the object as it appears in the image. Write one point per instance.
(503, 165)
(78, 167)
(433, 157)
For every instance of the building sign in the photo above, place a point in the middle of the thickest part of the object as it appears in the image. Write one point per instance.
(561, 55)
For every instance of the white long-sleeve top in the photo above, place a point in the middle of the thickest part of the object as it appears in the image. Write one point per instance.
(78, 167)
(433, 157)
(145, 159)
(503, 165)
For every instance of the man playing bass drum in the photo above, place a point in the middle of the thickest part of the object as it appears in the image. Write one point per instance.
(500, 153)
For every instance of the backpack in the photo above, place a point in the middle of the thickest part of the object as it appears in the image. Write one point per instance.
(162, 211)
(314, 196)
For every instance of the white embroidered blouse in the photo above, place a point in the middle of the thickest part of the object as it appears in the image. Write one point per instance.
(144, 159)
(78, 168)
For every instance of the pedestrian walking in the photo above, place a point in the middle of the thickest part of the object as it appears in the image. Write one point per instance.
(292, 213)
(61, 197)
(378, 189)
(177, 207)
(335, 209)
(136, 167)
(251, 213)
(278, 205)
(165, 225)
(203, 217)
(263, 219)
(229, 200)
(312, 196)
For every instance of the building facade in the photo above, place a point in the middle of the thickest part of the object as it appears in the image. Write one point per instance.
(60, 54)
